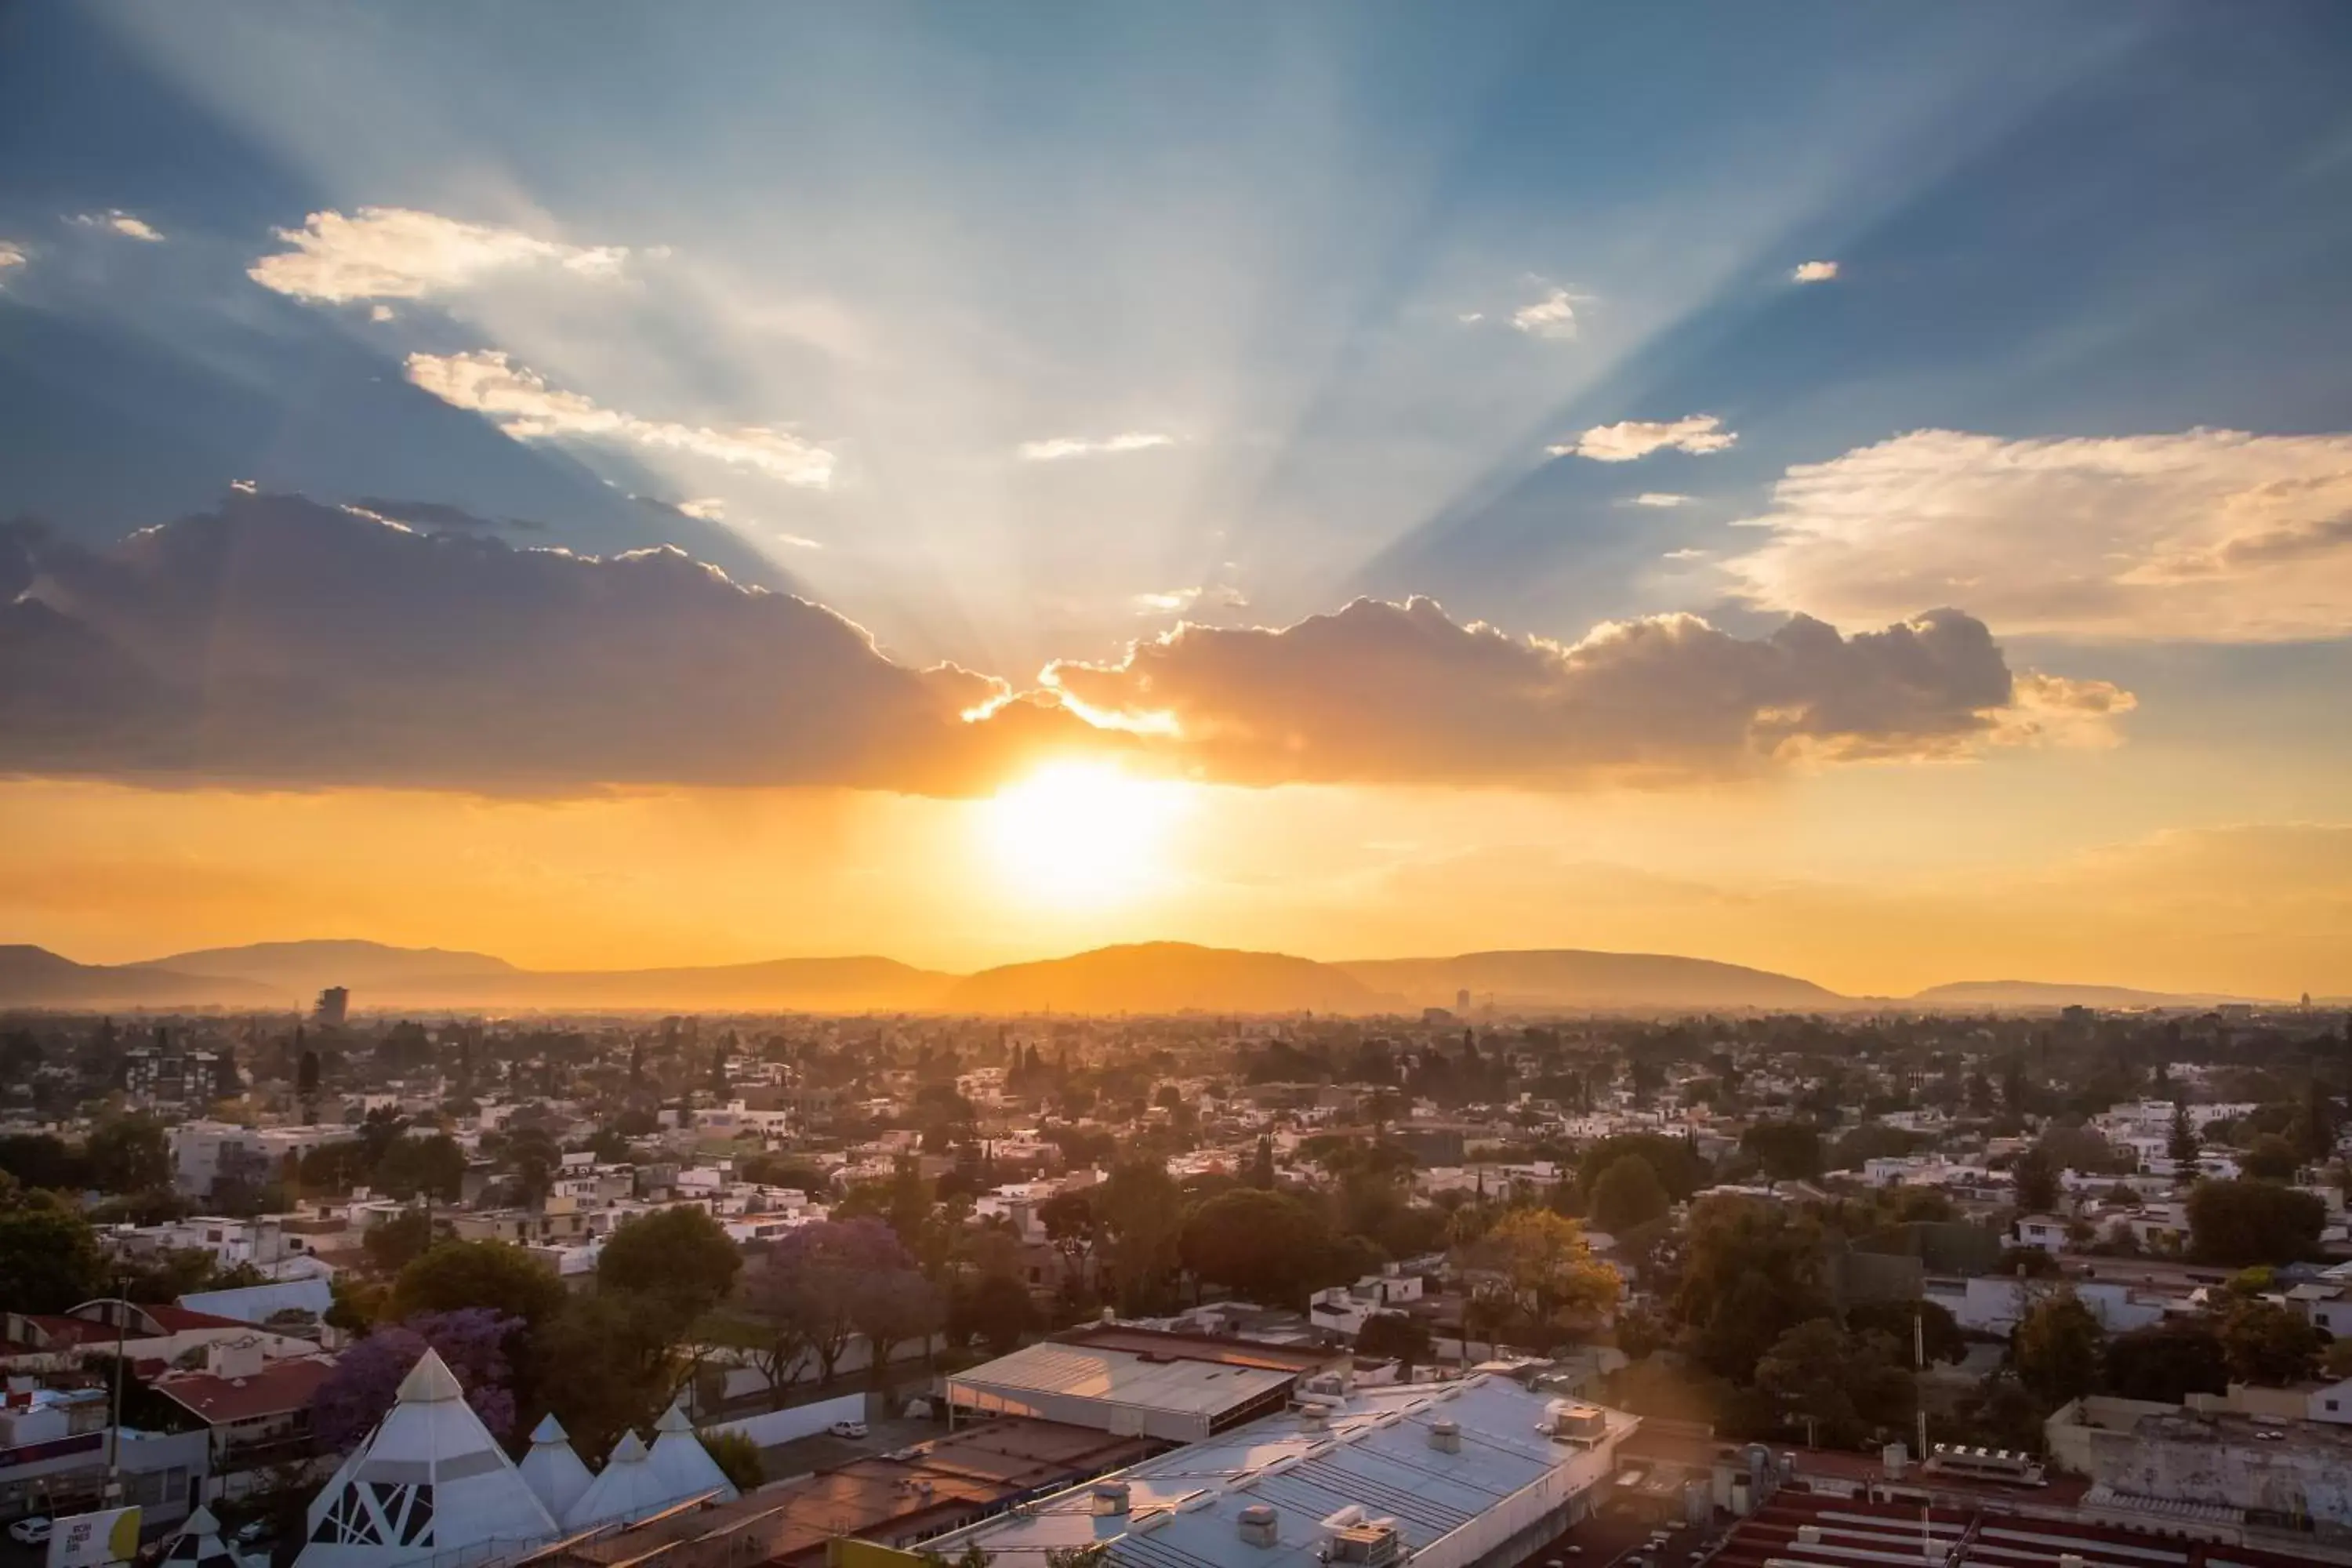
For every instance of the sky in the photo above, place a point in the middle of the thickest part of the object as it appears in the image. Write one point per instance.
(1859, 491)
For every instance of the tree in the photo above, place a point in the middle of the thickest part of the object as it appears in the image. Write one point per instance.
(1842, 1386)
(2036, 1182)
(535, 1158)
(814, 1283)
(1141, 1212)
(1751, 1272)
(1678, 1166)
(1398, 1337)
(1938, 1331)
(606, 1365)
(434, 1166)
(995, 1308)
(49, 1260)
(2271, 1158)
(2168, 1362)
(1628, 1195)
(737, 1457)
(2056, 1349)
(2243, 1222)
(1789, 1151)
(2180, 1144)
(37, 1159)
(2268, 1343)
(456, 1275)
(1069, 1222)
(127, 1155)
(679, 1257)
(1270, 1247)
(367, 1376)
(1261, 1170)
(391, 1245)
(1548, 1271)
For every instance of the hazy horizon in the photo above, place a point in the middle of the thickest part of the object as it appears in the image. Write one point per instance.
(1830, 490)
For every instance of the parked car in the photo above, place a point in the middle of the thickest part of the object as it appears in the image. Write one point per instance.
(30, 1532)
(847, 1428)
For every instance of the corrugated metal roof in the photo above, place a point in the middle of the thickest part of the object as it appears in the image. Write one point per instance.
(1120, 1378)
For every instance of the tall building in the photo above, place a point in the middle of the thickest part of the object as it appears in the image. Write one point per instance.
(334, 1006)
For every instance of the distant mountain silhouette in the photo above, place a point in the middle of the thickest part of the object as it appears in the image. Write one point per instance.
(2058, 994)
(1167, 977)
(1576, 978)
(304, 968)
(35, 977)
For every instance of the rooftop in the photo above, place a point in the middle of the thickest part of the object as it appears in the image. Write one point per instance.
(279, 1388)
(1847, 1531)
(1376, 1455)
(1144, 1379)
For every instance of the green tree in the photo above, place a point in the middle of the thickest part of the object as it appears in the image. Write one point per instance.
(1142, 1214)
(2057, 1349)
(1541, 1261)
(1628, 1195)
(2036, 1182)
(679, 1257)
(2268, 1343)
(1789, 1151)
(2165, 1363)
(605, 1364)
(1677, 1166)
(1841, 1386)
(2271, 1158)
(995, 1308)
(1938, 1331)
(49, 1260)
(393, 1244)
(1395, 1336)
(127, 1155)
(2244, 1222)
(1752, 1271)
(2180, 1144)
(456, 1275)
(1270, 1247)
(737, 1457)
(1071, 1228)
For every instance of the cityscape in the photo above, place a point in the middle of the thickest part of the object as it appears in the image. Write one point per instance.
(1337, 785)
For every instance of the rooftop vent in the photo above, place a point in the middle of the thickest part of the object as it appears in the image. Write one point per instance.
(1575, 1423)
(1260, 1525)
(1110, 1497)
(1373, 1545)
(1446, 1435)
(1808, 1535)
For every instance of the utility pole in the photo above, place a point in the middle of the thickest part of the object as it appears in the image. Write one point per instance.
(115, 1420)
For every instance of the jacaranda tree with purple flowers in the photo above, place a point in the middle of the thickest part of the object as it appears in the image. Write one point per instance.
(367, 1379)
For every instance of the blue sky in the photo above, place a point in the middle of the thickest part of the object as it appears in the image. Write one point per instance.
(1017, 333)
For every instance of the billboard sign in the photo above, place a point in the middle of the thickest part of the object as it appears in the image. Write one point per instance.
(93, 1539)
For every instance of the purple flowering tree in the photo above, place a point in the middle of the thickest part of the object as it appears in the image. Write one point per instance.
(367, 1378)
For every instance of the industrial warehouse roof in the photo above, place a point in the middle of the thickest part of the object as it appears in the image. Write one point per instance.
(1113, 1377)
(1804, 1530)
(1376, 1455)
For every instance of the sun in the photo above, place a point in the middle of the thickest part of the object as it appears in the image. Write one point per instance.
(1084, 833)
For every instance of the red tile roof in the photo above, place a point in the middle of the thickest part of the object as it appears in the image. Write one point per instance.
(279, 1388)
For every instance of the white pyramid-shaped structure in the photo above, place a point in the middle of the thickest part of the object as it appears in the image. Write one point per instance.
(429, 1480)
(199, 1544)
(554, 1473)
(626, 1488)
(682, 1462)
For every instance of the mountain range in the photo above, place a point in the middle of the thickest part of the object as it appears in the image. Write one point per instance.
(1147, 977)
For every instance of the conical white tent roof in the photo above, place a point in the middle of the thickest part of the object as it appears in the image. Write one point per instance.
(626, 1488)
(199, 1544)
(682, 1462)
(430, 1480)
(553, 1471)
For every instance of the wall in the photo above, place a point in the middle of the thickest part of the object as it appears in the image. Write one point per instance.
(800, 1421)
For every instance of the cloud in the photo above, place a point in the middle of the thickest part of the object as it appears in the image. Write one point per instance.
(12, 256)
(381, 313)
(710, 509)
(397, 253)
(281, 643)
(1054, 449)
(1634, 438)
(2209, 535)
(1399, 694)
(1553, 316)
(1470, 318)
(1659, 498)
(117, 221)
(520, 401)
(1814, 272)
(1176, 601)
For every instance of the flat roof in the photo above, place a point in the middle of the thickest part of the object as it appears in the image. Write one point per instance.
(1852, 1531)
(1375, 1454)
(1225, 1350)
(1112, 1376)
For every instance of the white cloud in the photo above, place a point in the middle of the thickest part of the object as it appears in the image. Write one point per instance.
(1632, 438)
(115, 220)
(2206, 535)
(397, 253)
(710, 509)
(1660, 499)
(1687, 553)
(1471, 318)
(1177, 601)
(1553, 316)
(381, 313)
(1057, 448)
(1814, 272)
(12, 256)
(523, 405)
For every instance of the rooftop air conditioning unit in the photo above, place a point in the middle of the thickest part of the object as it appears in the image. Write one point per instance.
(1577, 1422)
(1446, 1436)
(1260, 1525)
(1110, 1497)
(1373, 1545)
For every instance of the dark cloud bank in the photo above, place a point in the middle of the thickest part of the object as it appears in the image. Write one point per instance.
(278, 642)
